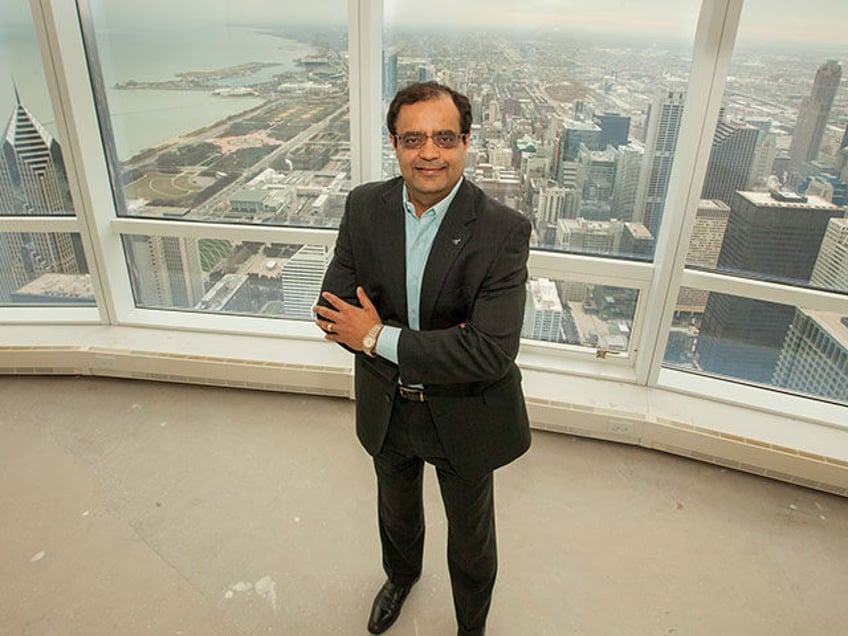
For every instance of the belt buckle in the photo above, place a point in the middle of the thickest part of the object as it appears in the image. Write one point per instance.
(412, 394)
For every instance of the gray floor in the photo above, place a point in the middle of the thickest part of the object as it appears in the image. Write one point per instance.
(140, 508)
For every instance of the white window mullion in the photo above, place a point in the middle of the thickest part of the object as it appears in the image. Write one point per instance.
(815, 299)
(365, 34)
(712, 52)
(226, 231)
(66, 68)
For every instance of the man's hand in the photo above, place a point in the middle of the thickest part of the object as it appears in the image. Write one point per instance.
(345, 323)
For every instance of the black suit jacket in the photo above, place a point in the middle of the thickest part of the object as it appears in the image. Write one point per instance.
(471, 312)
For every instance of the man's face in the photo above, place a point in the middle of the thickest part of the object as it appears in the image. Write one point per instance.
(430, 172)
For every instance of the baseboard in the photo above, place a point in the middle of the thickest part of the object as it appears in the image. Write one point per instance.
(823, 473)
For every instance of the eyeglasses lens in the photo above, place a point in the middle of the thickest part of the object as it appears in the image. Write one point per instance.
(442, 138)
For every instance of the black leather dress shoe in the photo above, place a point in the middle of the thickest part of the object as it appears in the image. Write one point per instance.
(386, 608)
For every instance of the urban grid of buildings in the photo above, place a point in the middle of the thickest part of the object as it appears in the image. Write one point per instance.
(586, 154)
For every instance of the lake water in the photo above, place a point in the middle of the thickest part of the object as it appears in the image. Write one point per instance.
(145, 118)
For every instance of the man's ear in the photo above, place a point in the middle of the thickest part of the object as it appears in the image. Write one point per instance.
(393, 141)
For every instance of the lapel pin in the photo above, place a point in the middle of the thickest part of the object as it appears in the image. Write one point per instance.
(456, 241)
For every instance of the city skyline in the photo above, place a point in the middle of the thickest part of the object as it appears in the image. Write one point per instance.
(288, 161)
(762, 20)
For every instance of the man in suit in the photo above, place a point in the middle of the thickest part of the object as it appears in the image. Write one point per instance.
(427, 288)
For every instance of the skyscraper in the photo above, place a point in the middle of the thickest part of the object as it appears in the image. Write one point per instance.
(33, 167)
(704, 248)
(730, 162)
(628, 167)
(664, 119)
(301, 277)
(595, 174)
(554, 203)
(542, 311)
(33, 182)
(762, 165)
(576, 133)
(814, 357)
(831, 268)
(813, 114)
(165, 270)
(390, 74)
(768, 235)
(615, 130)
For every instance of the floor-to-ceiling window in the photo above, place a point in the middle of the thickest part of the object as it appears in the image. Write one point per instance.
(765, 295)
(42, 261)
(684, 168)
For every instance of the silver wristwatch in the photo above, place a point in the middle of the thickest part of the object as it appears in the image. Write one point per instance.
(369, 342)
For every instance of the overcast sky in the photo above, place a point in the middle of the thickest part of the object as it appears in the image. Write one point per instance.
(787, 20)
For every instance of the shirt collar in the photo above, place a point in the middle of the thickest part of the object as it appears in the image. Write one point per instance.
(440, 209)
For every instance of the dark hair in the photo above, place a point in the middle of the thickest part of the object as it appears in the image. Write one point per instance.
(422, 91)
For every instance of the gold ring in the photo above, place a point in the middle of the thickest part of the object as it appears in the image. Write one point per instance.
(329, 327)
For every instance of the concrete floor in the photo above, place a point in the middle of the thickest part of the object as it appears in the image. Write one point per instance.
(141, 508)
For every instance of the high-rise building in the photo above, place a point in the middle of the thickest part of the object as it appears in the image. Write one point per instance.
(575, 134)
(33, 166)
(595, 174)
(664, 117)
(773, 235)
(831, 267)
(813, 114)
(628, 167)
(589, 237)
(636, 241)
(500, 155)
(542, 311)
(762, 165)
(301, 277)
(33, 182)
(165, 270)
(390, 74)
(708, 233)
(730, 161)
(814, 357)
(704, 249)
(615, 130)
(554, 203)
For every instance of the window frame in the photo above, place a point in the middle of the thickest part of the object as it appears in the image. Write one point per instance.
(658, 282)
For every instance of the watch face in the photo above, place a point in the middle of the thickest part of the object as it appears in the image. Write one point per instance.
(368, 342)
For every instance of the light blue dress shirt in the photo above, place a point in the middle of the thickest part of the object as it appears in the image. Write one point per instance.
(420, 234)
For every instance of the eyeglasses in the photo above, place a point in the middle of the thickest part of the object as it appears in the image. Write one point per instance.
(442, 138)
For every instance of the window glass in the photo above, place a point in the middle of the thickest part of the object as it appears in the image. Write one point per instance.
(586, 315)
(232, 111)
(773, 205)
(776, 183)
(780, 346)
(33, 180)
(231, 277)
(39, 268)
(576, 107)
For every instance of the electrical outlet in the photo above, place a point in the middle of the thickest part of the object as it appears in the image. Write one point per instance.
(619, 426)
(104, 362)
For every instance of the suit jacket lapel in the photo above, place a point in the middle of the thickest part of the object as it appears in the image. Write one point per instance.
(451, 239)
(391, 241)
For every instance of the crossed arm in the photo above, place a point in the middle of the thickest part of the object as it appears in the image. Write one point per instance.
(344, 323)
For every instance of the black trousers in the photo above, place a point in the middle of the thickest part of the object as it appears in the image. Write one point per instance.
(469, 506)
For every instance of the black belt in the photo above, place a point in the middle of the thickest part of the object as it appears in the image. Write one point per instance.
(414, 394)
